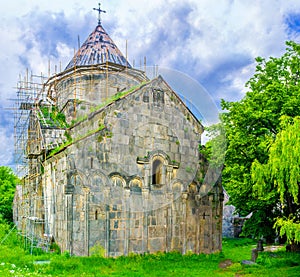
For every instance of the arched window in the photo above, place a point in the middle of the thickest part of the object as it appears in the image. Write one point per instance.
(136, 182)
(135, 185)
(193, 188)
(146, 97)
(177, 188)
(118, 181)
(158, 97)
(157, 172)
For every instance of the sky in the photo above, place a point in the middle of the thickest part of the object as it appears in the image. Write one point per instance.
(214, 43)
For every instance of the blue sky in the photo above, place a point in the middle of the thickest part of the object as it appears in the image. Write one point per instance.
(213, 42)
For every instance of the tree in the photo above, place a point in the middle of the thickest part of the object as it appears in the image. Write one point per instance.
(8, 181)
(251, 125)
(215, 148)
(282, 173)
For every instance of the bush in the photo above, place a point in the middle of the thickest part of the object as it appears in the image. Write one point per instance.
(54, 248)
(97, 250)
(8, 181)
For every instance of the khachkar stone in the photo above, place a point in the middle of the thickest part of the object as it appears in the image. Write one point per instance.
(121, 165)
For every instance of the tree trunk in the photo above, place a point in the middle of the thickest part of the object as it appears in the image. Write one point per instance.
(293, 247)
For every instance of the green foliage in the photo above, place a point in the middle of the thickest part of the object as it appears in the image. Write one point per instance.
(14, 261)
(260, 224)
(8, 235)
(68, 136)
(215, 149)
(281, 173)
(79, 119)
(188, 169)
(116, 97)
(230, 246)
(54, 248)
(106, 102)
(97, 250)
(70, 140)
(59, 148)
(282, 169)
(8, 182)
(284, 263)
(252, 124)
(289, 227)
(52, 117)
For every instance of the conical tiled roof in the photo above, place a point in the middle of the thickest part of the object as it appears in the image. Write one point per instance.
(98, 48)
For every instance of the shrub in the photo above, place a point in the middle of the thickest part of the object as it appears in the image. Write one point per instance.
(97, 250)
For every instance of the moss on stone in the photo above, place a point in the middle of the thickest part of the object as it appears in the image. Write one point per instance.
(51, 117)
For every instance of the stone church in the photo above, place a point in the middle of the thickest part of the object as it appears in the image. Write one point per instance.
(114, 163)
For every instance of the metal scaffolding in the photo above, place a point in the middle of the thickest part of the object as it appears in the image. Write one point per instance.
(34, 93)
(30, 90)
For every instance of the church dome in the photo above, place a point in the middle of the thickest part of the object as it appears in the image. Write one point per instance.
(97, 49)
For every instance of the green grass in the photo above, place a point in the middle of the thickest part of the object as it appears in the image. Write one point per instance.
(238, 249)
(279, 263)
(52, 117)
(71, 141)
(116, 97)
(15, 261)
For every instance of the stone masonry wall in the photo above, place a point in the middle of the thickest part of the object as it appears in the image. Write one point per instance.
(130, 181)
(104, 190)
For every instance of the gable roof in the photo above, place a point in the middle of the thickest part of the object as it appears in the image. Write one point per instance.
(157, 82)
(97, 49)
(181, 104)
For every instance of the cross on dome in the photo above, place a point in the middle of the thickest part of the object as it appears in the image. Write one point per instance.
(98, 48)
(99, 13)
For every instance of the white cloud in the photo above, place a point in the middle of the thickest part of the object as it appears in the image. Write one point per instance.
(64, 51)
(236, 82)
(7, 147)
(217, 31)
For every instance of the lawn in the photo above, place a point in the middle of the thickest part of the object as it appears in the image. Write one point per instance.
(15, 261)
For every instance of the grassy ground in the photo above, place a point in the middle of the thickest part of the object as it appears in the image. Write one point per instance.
(15, 261)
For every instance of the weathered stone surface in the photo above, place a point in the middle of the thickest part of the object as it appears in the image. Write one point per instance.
(129, 179)
(248, 262)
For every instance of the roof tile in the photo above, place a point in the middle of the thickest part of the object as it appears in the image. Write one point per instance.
(98, 48)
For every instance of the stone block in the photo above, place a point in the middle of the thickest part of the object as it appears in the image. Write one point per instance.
(156, 231)
(116, 246)
(157, 244)
(175, 147)
(135, 245)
